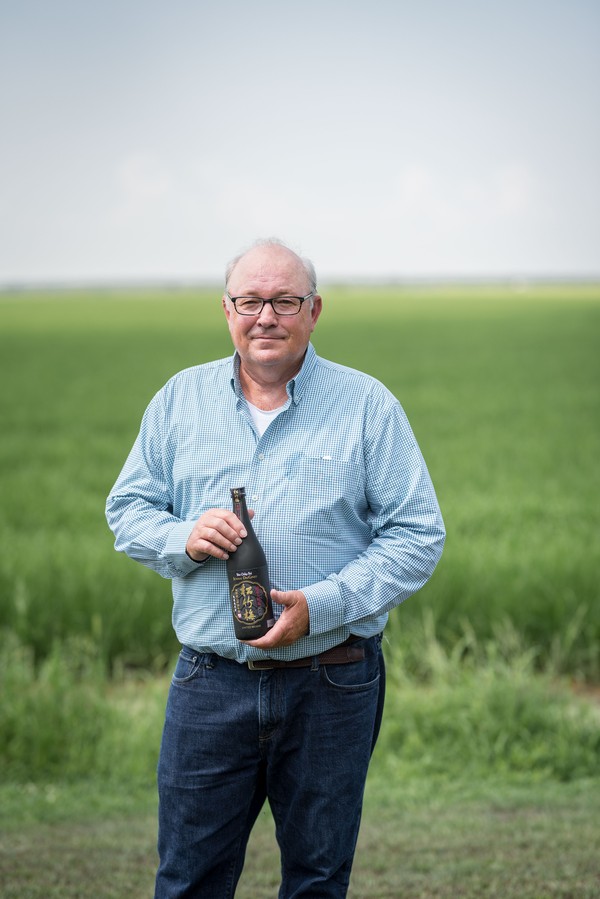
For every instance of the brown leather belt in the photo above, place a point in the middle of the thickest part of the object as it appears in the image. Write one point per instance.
(338, 655)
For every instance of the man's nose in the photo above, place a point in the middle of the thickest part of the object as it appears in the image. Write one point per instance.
(267, 315)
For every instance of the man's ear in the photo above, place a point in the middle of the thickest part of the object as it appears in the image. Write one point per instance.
(317, 308)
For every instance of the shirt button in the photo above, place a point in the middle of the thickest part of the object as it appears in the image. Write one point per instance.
(261, 456)
(254, 496)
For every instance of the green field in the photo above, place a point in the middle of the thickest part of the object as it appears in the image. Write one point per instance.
(500, 385)
(487, 772)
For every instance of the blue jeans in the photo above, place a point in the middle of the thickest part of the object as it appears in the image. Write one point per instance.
(301, 737)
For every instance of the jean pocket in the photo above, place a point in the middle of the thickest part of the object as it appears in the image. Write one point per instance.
(188, 665)
(353, 677)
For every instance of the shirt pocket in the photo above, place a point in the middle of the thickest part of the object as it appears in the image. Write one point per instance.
(322, 492)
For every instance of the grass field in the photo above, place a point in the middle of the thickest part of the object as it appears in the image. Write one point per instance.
(487, 773)
(500, 385)
(482, 841)
(484, 784)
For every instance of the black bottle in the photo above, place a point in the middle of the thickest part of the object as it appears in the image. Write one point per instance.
(249, 585)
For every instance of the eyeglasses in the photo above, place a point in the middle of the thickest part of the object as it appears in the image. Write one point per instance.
(280, 305)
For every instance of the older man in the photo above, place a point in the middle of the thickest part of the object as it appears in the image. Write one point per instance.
(348, 518)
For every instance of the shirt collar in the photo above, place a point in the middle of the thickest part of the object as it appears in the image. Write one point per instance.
(295, 386)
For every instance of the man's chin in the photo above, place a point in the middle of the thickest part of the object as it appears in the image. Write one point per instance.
(268, 356)
(268, 348)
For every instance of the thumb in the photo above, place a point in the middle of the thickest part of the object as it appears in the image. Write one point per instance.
(280, 596)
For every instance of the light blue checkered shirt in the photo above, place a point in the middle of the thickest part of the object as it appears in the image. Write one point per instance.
(345, 508)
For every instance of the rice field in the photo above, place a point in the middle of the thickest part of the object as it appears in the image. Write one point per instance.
(500, 383)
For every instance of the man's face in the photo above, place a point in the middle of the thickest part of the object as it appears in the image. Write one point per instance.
(268, 340)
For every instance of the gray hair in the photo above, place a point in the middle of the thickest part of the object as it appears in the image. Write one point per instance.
(274, 242)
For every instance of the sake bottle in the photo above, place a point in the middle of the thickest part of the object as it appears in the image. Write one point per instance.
(249, 585)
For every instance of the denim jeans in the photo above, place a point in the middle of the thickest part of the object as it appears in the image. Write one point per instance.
(299, 737)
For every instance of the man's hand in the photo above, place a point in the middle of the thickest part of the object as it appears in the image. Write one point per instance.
(292, 623)
(217, 533)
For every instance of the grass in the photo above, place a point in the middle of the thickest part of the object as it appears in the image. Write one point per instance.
(487, 772)
(484, 782)
(491, 715)
(418, 840)
(500, 387)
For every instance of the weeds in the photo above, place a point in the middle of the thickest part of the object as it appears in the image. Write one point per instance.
(485, 714)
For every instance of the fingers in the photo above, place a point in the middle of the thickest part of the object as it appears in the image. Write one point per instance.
(292, 624)
(217, 533)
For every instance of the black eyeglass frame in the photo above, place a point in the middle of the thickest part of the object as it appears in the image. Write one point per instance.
(261, 300)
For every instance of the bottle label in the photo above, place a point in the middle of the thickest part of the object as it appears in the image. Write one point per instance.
(248, 597)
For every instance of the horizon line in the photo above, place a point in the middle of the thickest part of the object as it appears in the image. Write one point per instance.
(137, 283)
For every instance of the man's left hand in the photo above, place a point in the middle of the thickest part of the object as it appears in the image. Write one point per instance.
(291, 624)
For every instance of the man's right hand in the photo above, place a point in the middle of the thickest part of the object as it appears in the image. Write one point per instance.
(217, 533)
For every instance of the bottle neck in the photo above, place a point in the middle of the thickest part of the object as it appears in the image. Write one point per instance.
(239, 505)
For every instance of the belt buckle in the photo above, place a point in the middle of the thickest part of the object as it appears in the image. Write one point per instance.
(259, 665)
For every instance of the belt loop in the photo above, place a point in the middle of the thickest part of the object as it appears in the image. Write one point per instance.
(315, 663)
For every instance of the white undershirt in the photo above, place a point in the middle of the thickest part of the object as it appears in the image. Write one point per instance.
(263, 419)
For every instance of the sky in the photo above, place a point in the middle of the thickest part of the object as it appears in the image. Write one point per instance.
(144, 140)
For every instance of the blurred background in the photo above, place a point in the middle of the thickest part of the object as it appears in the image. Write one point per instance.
(145, 140)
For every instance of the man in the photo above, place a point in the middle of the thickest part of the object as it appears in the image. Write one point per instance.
(348, 518)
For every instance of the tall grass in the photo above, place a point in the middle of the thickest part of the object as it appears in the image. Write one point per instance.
(63, 720)
(501, 387)
(479, 708)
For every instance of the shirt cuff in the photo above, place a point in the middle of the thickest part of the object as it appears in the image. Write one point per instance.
(174, 552)
(325, 607)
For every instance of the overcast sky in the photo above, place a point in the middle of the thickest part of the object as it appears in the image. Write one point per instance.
(144, 139)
